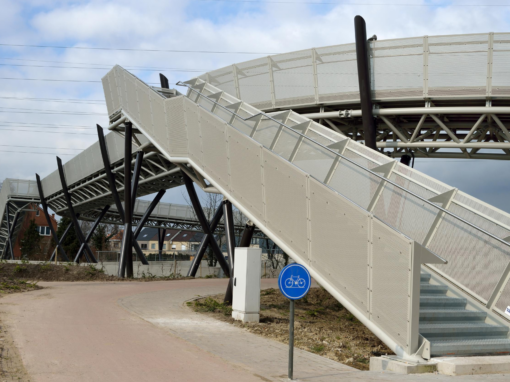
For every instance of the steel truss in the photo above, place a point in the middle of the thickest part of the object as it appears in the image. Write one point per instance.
(432, 130)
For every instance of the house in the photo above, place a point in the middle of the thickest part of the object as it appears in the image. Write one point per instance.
(37, 214)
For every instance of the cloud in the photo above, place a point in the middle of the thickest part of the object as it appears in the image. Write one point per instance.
(193, 25)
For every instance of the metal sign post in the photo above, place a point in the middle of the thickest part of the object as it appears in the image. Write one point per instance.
(294, 283)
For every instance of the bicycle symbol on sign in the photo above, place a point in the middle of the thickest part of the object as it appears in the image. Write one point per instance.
(295, 282)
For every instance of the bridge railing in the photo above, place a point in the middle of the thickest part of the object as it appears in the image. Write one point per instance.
(470, 234)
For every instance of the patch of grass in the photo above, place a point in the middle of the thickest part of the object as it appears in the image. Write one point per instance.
(19, 269)
(45, 267)
(211, 277)
(267, 292)
(363, 360)
(211, 305)
(317, 348)
(314, 312)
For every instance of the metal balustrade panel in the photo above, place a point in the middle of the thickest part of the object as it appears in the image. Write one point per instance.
(194, 136)
(223, 78)
(286, 202)
(340, 240)
(266, 132)
(294, 80)
(131, 97)
(215, 148)
(176, 128)
(458, 65)
(144, 104)
(286, 143)
(360, 187)
(475, 260)
(314, 160)
(159, 126)
(254, 82)
(397, 68)
(337, 73)
(405, 212)
(246, 172)
(500, 65)
(504, 301)
(391, 277)
(108, 94)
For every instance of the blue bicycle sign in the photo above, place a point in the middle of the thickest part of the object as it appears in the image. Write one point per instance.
(294, 281)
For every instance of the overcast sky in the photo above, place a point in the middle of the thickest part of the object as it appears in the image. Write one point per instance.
(64, 128)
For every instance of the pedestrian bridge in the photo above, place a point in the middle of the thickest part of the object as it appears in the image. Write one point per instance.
(422, 264)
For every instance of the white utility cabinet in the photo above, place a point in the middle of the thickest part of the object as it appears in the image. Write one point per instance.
(246, 293)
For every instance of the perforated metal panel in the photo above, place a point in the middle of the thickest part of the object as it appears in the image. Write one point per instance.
(132, 101)
(145, 108)
(405, 212)
(246, 172)
(266, 132)
(215, 148)
(285, 198)
(340, 243)
(194, 136)
(176, 113)
(159, 124)
(254, 86)
(314, 160)
(467, 249)
(294, 79)
(391, 277)
(108, 94)
(397, 68)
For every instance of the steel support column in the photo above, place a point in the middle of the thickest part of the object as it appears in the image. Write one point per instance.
(148, 213)
(61, 241)
(48, 220)
(203, 222)
(161, 239)
(231, 245)
(113, 188)
(70, 208)
(248, 231)
(205, 242)
(365, 94)
(89, 235)
(126, 259)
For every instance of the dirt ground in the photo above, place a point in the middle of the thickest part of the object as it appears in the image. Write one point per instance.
(62, 272)
(322, 325)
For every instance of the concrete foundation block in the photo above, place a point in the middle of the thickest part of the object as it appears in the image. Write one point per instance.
(245, 317)
(399, 366)
(473, 365)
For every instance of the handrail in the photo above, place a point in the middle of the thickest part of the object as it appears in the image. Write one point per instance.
(351, 161)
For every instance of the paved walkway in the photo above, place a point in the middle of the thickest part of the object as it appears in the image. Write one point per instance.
(143, 332)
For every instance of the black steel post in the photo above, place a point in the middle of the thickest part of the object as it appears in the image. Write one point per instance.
(70, 208)
(231, 245)
(365, 94)
(205, 242)
(248, 231)
(47, 216)
(113, 188)
(405, 159)
(203, 222)
(161, 239)
(164, 81)
(60, 241)
(126, 264)
(136, 177)
(89, 235)
(148, 213)
(108, 171)
(291, 340)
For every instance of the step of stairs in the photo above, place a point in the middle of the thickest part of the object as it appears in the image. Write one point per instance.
(454, 330)
(440, 301)
(494, 346)
(447, 315)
